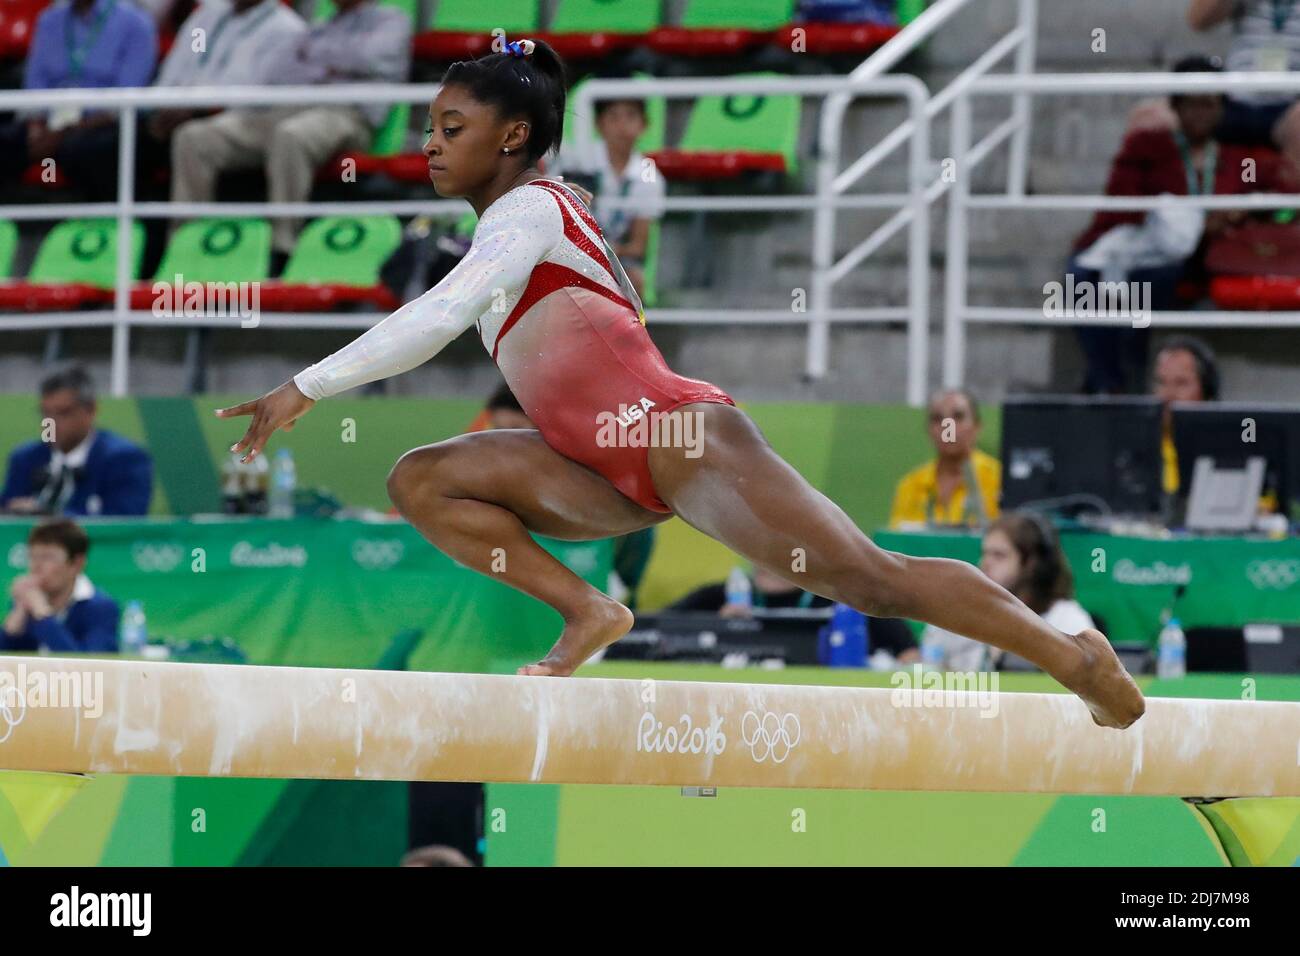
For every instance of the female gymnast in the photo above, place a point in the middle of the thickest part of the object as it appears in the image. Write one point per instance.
(554, 309)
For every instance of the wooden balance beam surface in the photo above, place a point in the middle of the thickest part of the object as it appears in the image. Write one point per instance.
(138, 717)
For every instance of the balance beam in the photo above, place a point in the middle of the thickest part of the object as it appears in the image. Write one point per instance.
(141, 717)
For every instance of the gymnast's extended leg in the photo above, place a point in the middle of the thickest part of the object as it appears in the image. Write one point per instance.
(740, 492)
(477, 496)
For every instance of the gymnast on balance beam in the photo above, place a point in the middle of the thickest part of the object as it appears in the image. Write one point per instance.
(554, 308)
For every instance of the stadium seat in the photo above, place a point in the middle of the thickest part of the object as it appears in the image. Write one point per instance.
(649, 290)
(722, 27)
(589, 29)
(74, 267)
(336, 261)
(824, 39)
(1256, 293)
(212, 250)
(385, 158)
(727, 136)
(17, 22)
(8, 243)
(462, 29)
(325, 9)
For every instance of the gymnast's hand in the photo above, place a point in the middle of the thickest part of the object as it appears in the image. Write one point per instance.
(280, 408)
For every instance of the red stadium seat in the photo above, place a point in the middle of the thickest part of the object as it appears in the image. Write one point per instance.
(278, 296)
(591, 46)
(713, 41)
(50, 297)
(450, 45)
(33, 175)
(17, 22)
(828, 38)
(696, 166)
(405, 168)
(1256, 293)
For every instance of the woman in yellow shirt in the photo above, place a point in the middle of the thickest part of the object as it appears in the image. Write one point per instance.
(939, 492)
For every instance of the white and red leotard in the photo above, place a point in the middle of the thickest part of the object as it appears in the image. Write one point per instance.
(555, 311)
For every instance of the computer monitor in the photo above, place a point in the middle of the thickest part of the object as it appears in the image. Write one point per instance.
(1230, 434)
(1097, 453)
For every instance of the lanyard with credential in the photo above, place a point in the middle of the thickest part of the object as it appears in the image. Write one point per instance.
(77, 52)
(974, 500)
(1205, 187)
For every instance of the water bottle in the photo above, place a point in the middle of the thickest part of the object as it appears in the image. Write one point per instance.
(1171, 660)
(284, 479)
(843, 642)
(134, 635)
(740, 592)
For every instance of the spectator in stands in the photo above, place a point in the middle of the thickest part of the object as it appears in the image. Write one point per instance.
(79, 44)
(76, 469)
(1265, 37)
(1186, 370)
(55, 607)
(222, 43)
(363, 42)
(1162, 247)
(962, 485)
(1022, 552)
(613, 169)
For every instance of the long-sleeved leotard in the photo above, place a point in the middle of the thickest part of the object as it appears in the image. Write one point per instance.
(558, 316)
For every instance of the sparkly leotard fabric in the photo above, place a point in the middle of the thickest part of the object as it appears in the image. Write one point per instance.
(555, 311)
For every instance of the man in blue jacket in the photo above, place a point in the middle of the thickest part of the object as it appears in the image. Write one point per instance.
(76, 468)
(55, 606)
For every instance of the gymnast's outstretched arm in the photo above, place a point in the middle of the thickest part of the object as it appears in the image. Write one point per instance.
(516, 232)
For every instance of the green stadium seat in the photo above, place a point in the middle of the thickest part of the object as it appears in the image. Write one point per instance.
(727, 136)
(212, 250)
(589, 29)
(722, 27)
(649, 290)
(75, 266)
(325, 9)
(337, 260)
(462, 29)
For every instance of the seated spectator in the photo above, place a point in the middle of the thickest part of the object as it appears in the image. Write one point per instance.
(614, 169)
(766, 589)
(55, 607)
(363, 42)
(1185, 371)
(76, 469)
(222, 43)
(1161, 247)
(1021, 552)
(962, 485)
(1266, 38)
(85, 44)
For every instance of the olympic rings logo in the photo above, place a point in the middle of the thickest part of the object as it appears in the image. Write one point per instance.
(770, 735)
(377, 555)
(1273, 575)
(156, 556)
(13, 708)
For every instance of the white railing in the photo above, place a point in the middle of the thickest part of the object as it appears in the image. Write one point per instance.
(959, 313)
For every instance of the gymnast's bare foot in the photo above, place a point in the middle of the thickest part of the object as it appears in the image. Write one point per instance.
(603, 624)
(1104, 685)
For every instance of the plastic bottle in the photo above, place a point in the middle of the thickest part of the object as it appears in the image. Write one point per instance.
(284, 479)
(844, 642)
(739, 591)
(1171, 660)
(134, 635)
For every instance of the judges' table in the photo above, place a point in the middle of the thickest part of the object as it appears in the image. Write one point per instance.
(319, 592)
(1129, 581)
